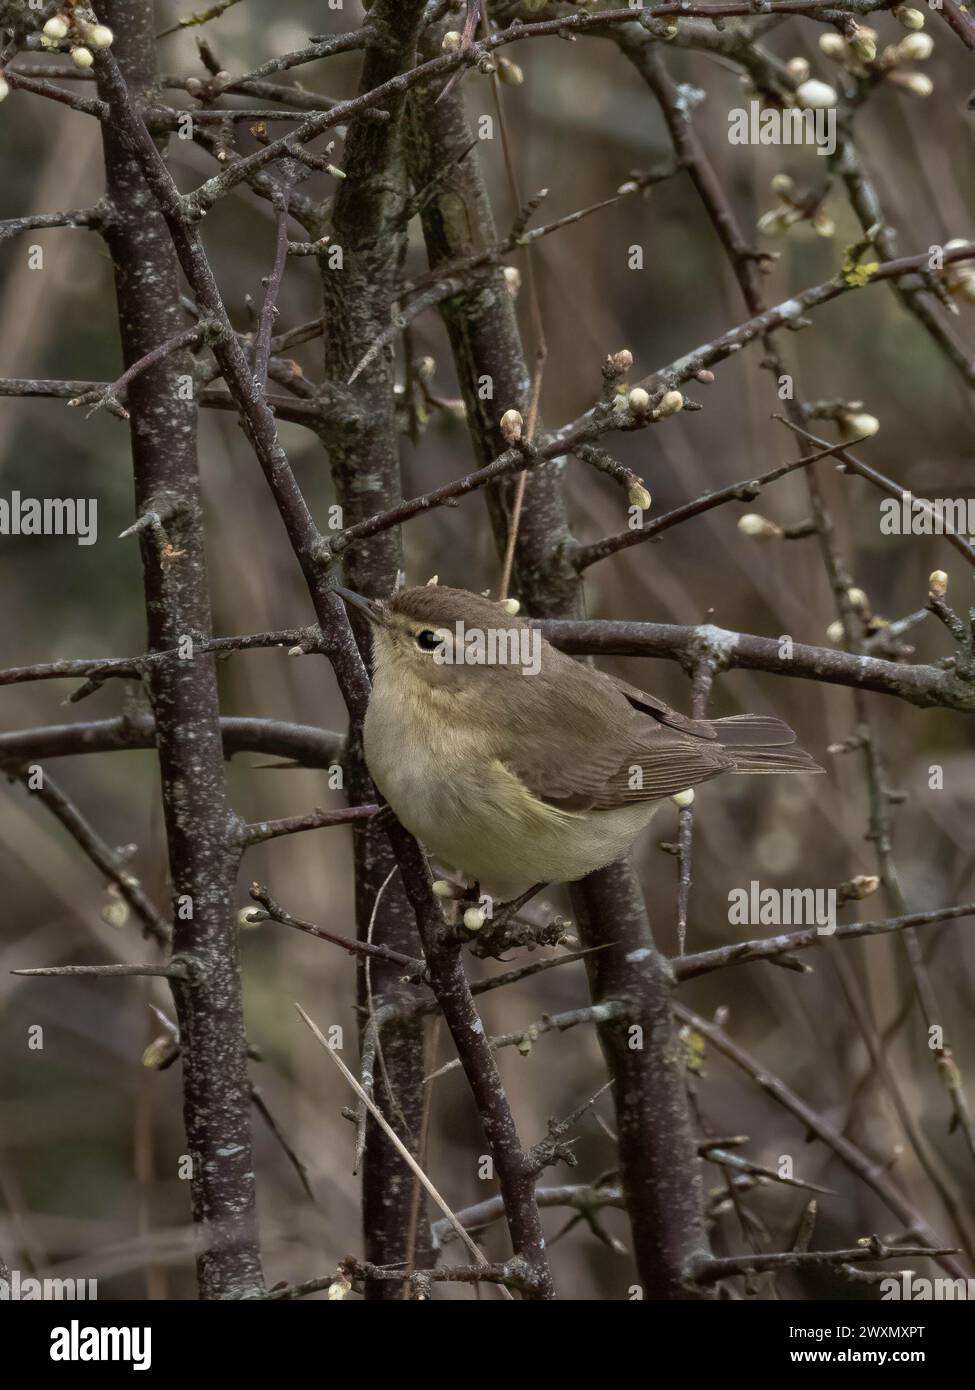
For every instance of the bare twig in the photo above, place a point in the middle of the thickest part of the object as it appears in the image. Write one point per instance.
(176, 970)
(392, 1136)
(363, 948)
(710, 1271)
(740, 951)
(256, 832)
(873, 1173)
(109, 861)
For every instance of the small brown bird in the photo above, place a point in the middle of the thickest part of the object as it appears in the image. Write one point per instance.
(516, 765)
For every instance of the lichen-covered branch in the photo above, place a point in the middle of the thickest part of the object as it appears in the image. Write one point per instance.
(200, 825)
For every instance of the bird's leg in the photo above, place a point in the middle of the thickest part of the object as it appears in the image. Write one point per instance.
(507, 911)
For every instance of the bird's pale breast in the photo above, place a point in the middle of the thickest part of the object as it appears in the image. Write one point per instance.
(470, 812)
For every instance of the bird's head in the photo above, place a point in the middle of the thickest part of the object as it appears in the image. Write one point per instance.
(448, 637)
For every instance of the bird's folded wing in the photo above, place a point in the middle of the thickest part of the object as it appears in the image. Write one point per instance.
(735, 731)
(565, 733)
(662, 764)
(658, 709)
(615, 745)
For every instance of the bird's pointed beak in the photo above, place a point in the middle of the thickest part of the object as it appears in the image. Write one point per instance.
(373, 610)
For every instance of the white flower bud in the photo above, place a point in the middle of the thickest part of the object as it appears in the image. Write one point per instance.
(4, 88)
(858, 599)
(833, 46)
(817, 95)
(510, 605)
(823, 224)
(753, 524)
(621, 362)
(860, 424)
(910, 18)
(161, 1052)
(99, 36)
(937, 583)
(115, 913)
(669, 404)
(638, 400)
(774, 223)
(782, 183)
(864, 43)
(443, 888)
(451, 41)
(512, 426)
(474, 918)
(684, 799)
(916, 48)
(639, 497)
(56, 27)
(798, 69)
(82, 57)
(835, 632)
(918, 84)
(510, 72)
(963, 284)
(512, 278)
(862, 885)
(250, 917)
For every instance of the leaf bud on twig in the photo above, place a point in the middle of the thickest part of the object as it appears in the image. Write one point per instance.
(639, 496)
(863, 42)
(669, 404)
(916, 48)
(754, 524)
(512, 426)
(833, 46)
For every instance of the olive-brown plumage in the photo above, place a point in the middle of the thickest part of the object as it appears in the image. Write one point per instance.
(530, 770)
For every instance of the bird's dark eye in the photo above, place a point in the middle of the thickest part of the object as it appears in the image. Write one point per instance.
(427, 640)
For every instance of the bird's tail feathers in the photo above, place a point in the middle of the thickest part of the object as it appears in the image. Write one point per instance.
(752, 731)
(764, 760)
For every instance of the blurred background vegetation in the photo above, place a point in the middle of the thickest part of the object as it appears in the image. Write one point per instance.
(89, 1139)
